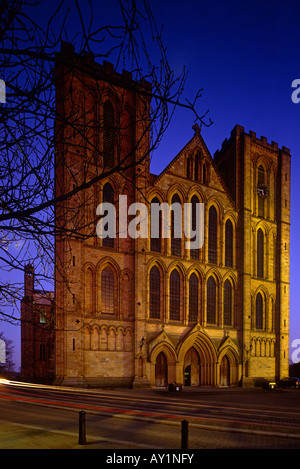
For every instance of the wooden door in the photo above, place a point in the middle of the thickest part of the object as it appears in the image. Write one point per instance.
(161, 370)
(225, 372)
(191, 368)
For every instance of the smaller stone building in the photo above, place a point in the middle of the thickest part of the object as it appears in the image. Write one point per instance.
(37, 332)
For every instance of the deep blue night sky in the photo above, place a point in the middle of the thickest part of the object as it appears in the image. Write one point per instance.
(245, 56)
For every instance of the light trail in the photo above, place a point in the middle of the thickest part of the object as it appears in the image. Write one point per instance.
(193, 406)
(156, 416)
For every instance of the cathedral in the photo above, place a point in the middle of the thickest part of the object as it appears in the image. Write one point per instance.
(149, 311)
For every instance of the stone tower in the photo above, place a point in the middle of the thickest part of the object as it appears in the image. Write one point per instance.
(257, 174)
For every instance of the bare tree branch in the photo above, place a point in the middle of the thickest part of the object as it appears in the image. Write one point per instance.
(31, 55)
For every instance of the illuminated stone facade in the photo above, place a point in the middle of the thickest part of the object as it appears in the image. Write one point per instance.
(145, 312)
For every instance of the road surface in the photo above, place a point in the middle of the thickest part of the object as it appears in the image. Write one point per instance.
(149, 419)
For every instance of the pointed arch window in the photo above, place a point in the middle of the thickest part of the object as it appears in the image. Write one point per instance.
(175, 296)
(204, 174)
(227, 302)
(43, 317)
(127, 132)
(228, 244)
(108, 196)
(108, 293)
(175, 219)
(260, 253)
(193, 298)
(155, 243)
(259, 311)
(189, 167)
(211, 300)
(212, 235)
(194, 253)
(108, 134)
(154, 293)
(261, 200)
(197, 167)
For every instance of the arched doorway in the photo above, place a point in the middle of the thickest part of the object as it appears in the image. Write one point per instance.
(191, 368)
(225, 371)
(161, 370)
(198, 351)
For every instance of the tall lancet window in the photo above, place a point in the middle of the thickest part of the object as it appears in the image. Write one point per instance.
(259, 313)
(108, 196)
(175, 296)
(175, 228)
(154, 293)
(212, 235)
(261, 200)
(155, 243)
(108, 134)
(260, 254)
(108, 297)
(194, 253)
(227, 302)
(211, 301)
(228, 244)
(193, 298)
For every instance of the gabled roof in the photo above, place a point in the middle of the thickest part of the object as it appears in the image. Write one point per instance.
(195, 143)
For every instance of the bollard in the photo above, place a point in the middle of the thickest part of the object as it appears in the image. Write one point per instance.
(184, 434)
(82, 428)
